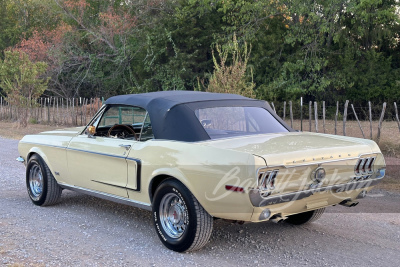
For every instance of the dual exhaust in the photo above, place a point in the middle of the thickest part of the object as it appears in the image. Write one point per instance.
(349, 203)
(277, 218)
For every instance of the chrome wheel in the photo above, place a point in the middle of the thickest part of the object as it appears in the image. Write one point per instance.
(173, 215)
(35, 182)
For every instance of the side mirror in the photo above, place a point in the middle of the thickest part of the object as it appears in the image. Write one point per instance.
(91, 131)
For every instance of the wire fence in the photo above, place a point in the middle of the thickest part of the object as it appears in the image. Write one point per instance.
(54, 111)
(341, 119)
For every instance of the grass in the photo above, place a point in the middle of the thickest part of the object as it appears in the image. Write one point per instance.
(389, 141)
(12, 131)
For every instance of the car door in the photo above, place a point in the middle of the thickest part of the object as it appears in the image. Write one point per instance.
(99, 163)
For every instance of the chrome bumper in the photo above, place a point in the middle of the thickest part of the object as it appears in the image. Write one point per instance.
(258, 201)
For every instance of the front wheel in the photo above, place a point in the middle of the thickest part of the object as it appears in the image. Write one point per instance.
(42, 188)
(181, 222)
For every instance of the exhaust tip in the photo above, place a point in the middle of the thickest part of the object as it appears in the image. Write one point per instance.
(349, 203)
(355, 203)
(277, 218)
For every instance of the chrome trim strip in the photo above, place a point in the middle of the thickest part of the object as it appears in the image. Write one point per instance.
(41, 144)
(138, 173)
(315, 162)
(123, 187)
(141, 130)
(106, 196)
(258, 201)
(310, 163)
(96, 153)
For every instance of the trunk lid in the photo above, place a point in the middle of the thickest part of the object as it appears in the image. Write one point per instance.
(297, 147)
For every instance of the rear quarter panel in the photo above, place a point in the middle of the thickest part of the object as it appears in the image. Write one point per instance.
(204, 171)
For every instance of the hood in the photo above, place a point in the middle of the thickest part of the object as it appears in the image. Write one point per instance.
(297, 147)
(64, 132)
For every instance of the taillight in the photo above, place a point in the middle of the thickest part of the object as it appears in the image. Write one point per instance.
(369, 167)
(271, 180)
(364, 167)
(357, 167)
(266, 179)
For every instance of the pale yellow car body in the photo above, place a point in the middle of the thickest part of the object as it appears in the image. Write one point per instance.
(205, 168)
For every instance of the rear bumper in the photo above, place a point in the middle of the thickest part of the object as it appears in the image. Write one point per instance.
(258, 201)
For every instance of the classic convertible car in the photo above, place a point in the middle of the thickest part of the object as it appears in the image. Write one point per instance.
(192, 157)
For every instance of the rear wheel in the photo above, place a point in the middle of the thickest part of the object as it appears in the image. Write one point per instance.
(181, 222)
(305, 217)
(42, 188)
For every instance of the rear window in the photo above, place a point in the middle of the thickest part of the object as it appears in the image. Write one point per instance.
(221, 122)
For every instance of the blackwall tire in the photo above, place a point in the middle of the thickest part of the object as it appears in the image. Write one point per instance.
(180, 221)
(42, 188)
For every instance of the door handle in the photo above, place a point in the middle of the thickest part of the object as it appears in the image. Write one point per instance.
(127, 147)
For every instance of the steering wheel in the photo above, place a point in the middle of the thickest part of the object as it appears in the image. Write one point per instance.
(123, 131)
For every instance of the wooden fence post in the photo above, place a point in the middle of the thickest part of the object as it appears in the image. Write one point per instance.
(58, 111)
(359, 124)
(336, 116)
(41, 109)
(80, 102)
(273, 107)
(11, 111)
(73, 111)
(309, 113)
(1, 108)
(291, 114)
(397, 115)
(63, 111)
(370, 119)
(284, 110)
(316, 116)
(346, 105)
(380, 122)
(68, 115)
(54, 109)
(85, 109)
(301, 113)
(323, 115)
(48, 110)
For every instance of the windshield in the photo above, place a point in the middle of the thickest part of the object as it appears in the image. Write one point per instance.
(222, 122)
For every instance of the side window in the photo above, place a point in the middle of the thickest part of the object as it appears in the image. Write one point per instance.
(147, 130)
(125, 122)
(123, 115)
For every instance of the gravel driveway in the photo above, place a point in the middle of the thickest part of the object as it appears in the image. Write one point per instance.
(86, 231)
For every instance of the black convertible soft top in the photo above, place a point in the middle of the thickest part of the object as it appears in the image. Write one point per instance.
(172, 113)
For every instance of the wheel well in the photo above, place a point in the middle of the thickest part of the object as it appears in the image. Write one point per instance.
(30, 155)
(155, 182)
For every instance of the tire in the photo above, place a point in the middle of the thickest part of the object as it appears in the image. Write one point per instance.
(180, 221)
(305, 217)
(42, 188)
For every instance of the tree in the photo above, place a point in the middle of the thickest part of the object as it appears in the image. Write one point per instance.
(21, 81)
(328, 50)
(231, 78)
(20, 18)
